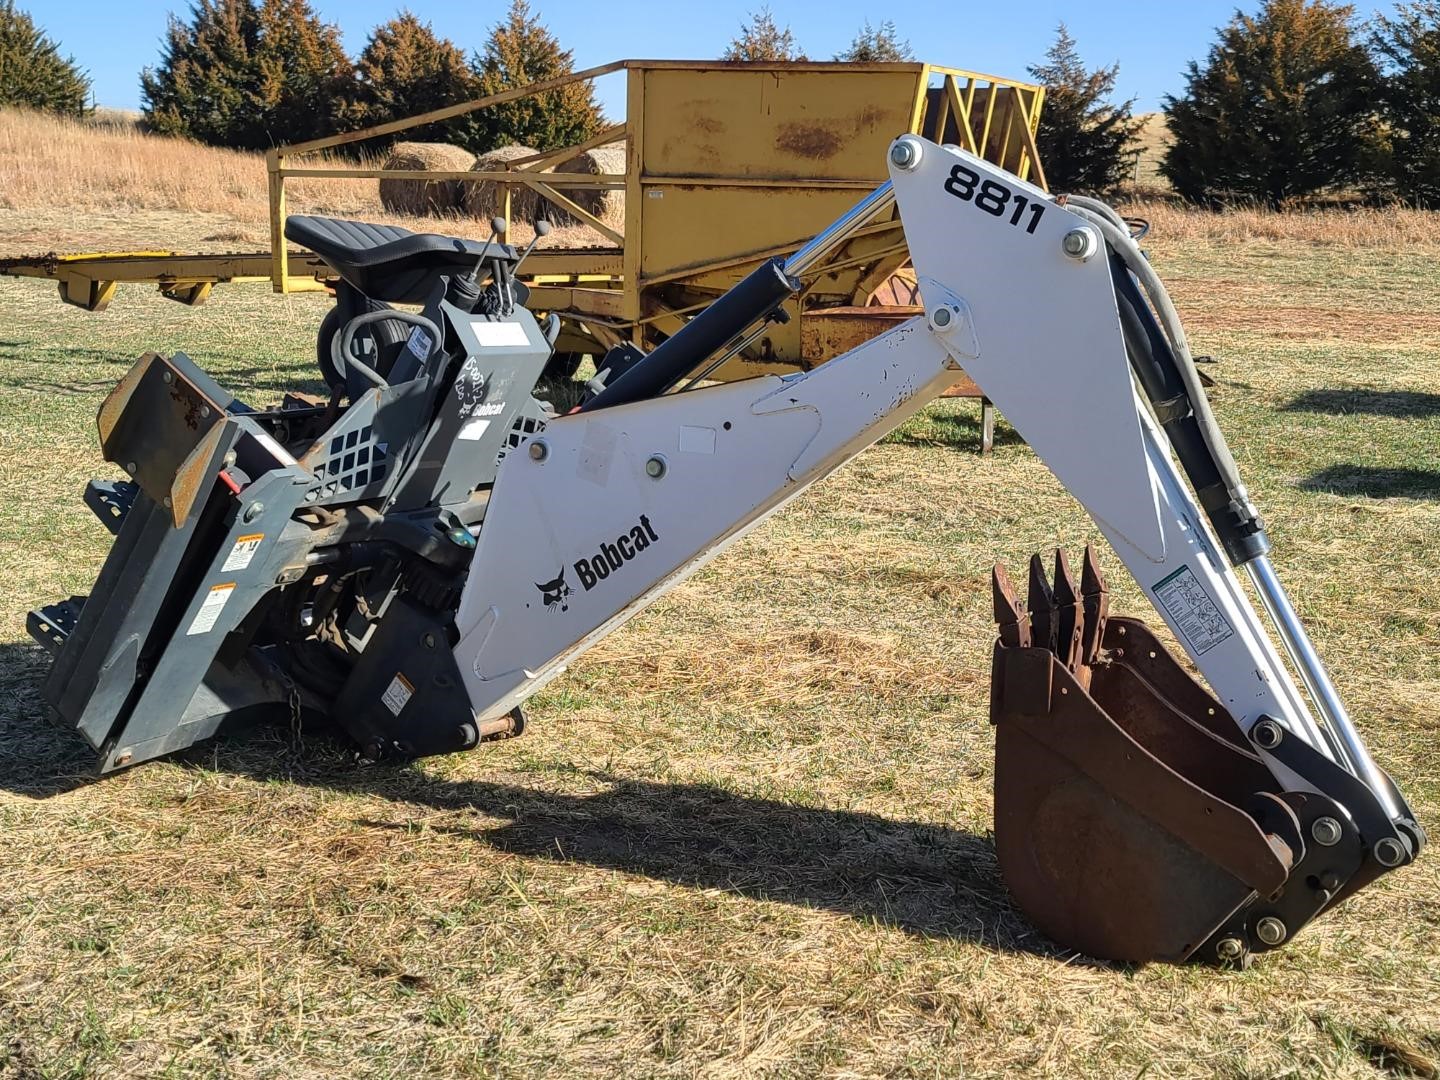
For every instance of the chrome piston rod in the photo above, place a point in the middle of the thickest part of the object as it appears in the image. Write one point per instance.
(1317, 682)
(825, 243)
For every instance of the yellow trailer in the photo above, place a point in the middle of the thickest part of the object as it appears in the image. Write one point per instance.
(726, 164)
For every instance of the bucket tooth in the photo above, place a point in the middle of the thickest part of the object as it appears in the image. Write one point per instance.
(1096, 599)
(1010, 614)
(1042, 606)
(1069, 619)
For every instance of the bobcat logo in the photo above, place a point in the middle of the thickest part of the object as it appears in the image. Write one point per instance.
(554, 592)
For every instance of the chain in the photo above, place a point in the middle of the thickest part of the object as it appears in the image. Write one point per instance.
(297, 740)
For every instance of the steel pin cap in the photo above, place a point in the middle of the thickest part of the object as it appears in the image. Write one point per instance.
(1326, 831)
(1389, 851)
(1080, 243)
(905, 153)
(1270, 930)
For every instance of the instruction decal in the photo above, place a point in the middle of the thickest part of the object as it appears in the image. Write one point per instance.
(1192, 611)
(243, 551)
(398, 694)
(419, 344)
(210, 609)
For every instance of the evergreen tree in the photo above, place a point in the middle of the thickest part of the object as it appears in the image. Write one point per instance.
(1409, 47)
(762, 39)
(307, 82)
(1084, 140)
(404, 70)
(32, 71)
(876, 45)
(522, 50)
(250, 75)
(1282, 108)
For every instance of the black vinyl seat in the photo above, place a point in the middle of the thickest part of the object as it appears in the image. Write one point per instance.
(385, 262)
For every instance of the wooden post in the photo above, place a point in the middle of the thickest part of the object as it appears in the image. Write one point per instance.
(279, 256)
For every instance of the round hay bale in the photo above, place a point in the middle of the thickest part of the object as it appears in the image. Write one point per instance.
(608, 204)
(486, 198)
(421, 197)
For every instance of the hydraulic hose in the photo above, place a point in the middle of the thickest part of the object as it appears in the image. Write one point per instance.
(1210, 464)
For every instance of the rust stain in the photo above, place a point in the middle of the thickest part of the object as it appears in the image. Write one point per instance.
(871, 117)
(809, 140)
(189, 406)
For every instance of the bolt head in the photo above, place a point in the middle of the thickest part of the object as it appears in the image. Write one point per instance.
(905, 154)
(655, 467)
(1080, 243)
(1230, 948)
(1270, 930)
(1389, 852)
(253, 511)
(123, 758)
(205, 412)
(1326, 831)
(168, 376)
(130, 467)
(539, 450)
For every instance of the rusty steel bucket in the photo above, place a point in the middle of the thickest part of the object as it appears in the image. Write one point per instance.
(1133, 821)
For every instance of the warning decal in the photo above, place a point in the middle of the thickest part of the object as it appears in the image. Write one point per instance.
(210, 609)
(397, 695)
(243, 551)
(1192, 611)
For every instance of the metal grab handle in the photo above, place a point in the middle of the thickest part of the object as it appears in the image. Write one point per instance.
(341, 342)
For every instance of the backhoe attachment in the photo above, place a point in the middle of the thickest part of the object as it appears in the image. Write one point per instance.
(417, 557)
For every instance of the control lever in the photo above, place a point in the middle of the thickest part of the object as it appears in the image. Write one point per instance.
(542, 228)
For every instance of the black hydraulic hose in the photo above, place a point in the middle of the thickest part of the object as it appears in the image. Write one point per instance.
(1161, 358)
(763, 290)
(1158, 372)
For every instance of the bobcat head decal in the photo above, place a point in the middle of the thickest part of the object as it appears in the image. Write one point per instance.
(555, 592)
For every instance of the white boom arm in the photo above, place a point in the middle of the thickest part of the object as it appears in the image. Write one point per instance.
(606, 510)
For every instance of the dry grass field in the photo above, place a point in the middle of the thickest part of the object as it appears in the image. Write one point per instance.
(749, 835)
(70, 185)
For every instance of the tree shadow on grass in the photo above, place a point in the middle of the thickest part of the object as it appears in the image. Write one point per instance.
(1379, 483)
(922, 878)
(72, 365)
(1399, 403)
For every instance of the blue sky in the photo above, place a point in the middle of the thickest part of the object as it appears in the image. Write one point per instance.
(1151, 41)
